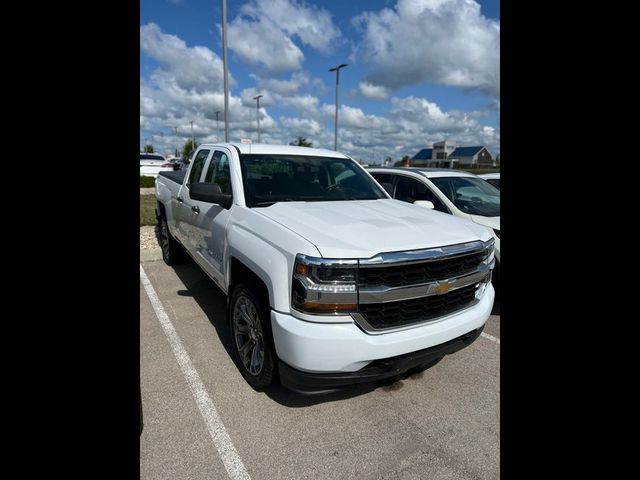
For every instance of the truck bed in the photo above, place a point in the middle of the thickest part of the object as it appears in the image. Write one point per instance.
(175, 176)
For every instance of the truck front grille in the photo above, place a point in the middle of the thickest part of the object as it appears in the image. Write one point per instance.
(403, 289)
(414, 274)
(405, 312)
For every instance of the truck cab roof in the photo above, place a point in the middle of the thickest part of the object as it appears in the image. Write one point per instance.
(263, 148)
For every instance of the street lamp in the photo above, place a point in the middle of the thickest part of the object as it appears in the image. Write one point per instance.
(217, 125)
(258, 114)
(337, 70)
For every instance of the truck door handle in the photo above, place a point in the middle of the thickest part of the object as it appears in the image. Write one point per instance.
(180, 199)
(196, 209)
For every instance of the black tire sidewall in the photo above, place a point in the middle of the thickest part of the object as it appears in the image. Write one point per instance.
(168, 257)
(267, 374)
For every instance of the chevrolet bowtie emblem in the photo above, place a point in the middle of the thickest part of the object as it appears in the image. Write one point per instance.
(442, 288)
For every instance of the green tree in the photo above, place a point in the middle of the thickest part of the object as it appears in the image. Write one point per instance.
(148, 149)
(188, 148)
(301, 142)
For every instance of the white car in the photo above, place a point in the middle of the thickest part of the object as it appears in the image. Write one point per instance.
(492, 178)
(450, 191)
(152, 163)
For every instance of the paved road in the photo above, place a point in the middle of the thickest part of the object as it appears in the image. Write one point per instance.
(441, 423)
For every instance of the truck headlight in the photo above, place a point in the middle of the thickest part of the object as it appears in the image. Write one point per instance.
(324, 286)
(490, 253)
(488, 260)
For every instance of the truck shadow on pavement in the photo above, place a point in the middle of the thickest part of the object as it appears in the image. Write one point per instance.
(213, 303)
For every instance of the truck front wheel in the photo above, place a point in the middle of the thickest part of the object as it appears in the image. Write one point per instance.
(251, 336)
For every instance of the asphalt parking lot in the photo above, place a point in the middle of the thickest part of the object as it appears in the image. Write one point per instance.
(439, 423)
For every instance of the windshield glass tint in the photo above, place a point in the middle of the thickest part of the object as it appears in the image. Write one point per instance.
(268, 179)
(471, 195)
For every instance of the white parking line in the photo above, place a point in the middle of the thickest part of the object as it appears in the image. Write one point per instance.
(228, 453)
(490, 337)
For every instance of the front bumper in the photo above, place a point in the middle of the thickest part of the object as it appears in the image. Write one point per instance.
(304, 382)
(334, 348)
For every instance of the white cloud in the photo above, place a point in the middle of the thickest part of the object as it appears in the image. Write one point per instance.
(305, 127)
(376, 92)
(297, 81)
(447, 42)
(264, 43)
(262, 33)
(187, 85)
(192, 68)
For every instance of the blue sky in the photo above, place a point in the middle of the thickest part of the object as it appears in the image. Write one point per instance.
(419, 71)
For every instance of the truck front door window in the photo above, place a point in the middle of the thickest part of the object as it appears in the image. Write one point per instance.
(198, 165)
(218, 172)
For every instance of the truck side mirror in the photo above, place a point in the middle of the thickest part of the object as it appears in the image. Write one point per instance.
(210, 193)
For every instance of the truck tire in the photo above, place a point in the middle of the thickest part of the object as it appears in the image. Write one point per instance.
(251, 338)
(172, 252)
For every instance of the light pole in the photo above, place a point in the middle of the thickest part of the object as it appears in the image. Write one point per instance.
(217, 125)
(258, 114)
(162, 139)
(193, 141)
(337, 70)
(175, 134)
(226, 72)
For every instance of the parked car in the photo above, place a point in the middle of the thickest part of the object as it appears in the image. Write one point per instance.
(175, 162)
(492, 178)
(455, 192)
(181, 163)
(329, 280)
(153, 163)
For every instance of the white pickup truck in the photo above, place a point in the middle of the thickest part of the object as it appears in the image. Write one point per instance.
(329, 281)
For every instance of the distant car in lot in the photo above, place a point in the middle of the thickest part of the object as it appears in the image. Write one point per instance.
(153, 163)
(176, 162)
(180, 164)
(492, 178)
(449, 191)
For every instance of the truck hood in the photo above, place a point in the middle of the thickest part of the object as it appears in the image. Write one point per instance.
(491, 222)
(364, 228)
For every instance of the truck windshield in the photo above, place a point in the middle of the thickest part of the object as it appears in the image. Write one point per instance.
(471, 195)
(268, 179)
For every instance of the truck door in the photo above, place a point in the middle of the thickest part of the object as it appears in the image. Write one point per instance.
(181, 206)
(210, 220)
